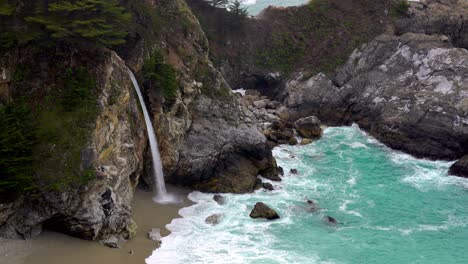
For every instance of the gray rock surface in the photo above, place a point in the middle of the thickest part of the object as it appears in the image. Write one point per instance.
(214, 219)
(410, 92)
(435, 17)
(101, 209)
(309, 127)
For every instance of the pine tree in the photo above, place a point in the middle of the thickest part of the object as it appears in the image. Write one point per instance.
(103, 22)
(236, 7)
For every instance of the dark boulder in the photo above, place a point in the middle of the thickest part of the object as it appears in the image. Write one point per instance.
(293, 171)
(460, 168)
(268, 186)
(308, 127)
(219, 199)
(330, 220)
(261, 210)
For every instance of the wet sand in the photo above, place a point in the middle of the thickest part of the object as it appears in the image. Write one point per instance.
(55, 248)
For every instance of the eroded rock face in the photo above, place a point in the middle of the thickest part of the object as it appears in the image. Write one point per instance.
(448, 17)
(101, 209)
(460, 168)
(410, 92)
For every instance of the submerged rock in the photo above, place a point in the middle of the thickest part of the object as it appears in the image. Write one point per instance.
(308, 127)
(312, 206)
(293, 171)
(219, 199)
(268, 186)
(261, 210)
(330, 220)
(214, 219)
(460, 168)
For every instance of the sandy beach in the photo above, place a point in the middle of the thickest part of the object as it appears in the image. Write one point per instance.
(55, 248)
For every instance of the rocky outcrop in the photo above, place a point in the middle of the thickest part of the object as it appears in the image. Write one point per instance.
(100, 209)
(261, 210)
(309, 127)
(460, 168)
(433, 17)
(410, 92)
(209, 140)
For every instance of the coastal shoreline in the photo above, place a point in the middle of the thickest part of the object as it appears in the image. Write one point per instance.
(55, 248)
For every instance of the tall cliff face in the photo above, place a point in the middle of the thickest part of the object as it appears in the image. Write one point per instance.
(113, 152)
(432, 17)
(410, 92)
(208, 139)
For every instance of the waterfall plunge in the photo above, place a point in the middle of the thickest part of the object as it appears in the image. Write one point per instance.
(158, 175)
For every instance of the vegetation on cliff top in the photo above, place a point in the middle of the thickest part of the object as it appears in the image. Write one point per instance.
(82, 22)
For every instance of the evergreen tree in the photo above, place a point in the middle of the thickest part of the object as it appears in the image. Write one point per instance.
(236, 7)
(95, 22)
(103, 22)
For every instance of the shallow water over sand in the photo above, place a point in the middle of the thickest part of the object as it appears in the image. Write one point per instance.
(55, 248)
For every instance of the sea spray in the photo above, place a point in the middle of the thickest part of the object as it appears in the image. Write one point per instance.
(161, 195)
(392, 208)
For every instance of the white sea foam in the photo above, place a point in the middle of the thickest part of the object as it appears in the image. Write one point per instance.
(239, 91)
(343, 189)
(344, 208)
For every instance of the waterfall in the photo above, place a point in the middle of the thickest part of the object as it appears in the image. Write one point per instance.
(158, 174)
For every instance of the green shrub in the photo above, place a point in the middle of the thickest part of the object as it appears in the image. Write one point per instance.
(400, 8)
(161, 75)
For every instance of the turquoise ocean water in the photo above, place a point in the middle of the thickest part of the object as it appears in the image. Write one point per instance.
(392, 208)
(256, 6)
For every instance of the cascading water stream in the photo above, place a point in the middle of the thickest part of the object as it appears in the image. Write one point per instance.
(158, 175)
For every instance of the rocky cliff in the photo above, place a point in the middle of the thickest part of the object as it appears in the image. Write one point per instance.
(410, 92)
(260, 52)
(208, 139)
(99, 209)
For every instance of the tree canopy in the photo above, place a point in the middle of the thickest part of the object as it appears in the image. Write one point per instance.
(98, 22)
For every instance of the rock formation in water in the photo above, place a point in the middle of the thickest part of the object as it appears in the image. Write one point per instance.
(261, 210)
